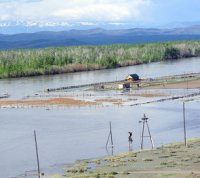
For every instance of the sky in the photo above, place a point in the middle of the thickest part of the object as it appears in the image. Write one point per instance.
(98, 13)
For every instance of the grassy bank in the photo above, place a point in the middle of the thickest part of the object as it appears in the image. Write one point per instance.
(32, 62)
(170, 161)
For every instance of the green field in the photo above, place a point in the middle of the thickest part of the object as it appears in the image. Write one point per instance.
(33, 62)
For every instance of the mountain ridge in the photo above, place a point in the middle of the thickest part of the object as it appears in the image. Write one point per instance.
(97, 36)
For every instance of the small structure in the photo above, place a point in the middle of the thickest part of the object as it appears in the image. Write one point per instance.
(144, 121)
(133, 77)
(124, 85)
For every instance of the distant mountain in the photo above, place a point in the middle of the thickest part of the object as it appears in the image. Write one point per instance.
(181, 24)
(97, 36)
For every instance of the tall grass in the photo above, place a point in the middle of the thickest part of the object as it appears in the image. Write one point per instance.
(31, 62)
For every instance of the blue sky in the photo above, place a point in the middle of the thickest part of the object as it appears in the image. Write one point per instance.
(97, 13)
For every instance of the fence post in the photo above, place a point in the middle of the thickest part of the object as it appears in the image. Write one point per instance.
(36, 148)
(184, 124)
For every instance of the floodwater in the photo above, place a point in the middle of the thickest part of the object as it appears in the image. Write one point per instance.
(68, 134)
(22, 87)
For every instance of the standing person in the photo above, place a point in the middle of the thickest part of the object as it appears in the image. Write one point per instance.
(130, 140)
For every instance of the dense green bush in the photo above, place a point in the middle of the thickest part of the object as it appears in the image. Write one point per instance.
(30, 62)
(172, 53)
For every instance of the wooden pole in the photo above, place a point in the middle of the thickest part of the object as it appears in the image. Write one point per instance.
(111, 134)
(108, 140)
(184, 124)
(144, 121)
(150, 135)
(36, 148)
(142, 135)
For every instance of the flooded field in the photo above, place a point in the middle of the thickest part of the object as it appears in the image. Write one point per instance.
(66, 134)
(69, 134)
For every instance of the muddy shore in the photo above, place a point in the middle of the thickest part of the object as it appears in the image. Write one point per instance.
(172, 161)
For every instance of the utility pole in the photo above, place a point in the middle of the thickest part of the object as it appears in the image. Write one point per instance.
(111, 134)
(110, 137)
(144, 122)
(184, 124)
(36, 148)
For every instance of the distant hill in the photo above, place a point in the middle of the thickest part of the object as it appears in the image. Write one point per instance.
(97, 36)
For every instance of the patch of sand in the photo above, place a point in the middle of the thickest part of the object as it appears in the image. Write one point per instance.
(53, 101)
(190, 84)
(109, 100)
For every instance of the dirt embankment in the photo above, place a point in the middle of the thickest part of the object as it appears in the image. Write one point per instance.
(177, 85)
(172, 161)
(182, 81)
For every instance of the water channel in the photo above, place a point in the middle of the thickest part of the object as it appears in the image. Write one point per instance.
(69, 134)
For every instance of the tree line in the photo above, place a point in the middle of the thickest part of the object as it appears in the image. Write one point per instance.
(55, 60)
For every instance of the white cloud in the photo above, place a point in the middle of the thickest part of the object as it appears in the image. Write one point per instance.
(117, 23)
(88, 24)
(4, 17)
(102, 10)
(72, 11)
(95, 12)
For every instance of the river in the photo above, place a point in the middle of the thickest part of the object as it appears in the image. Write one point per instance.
(18, 88)
(69, 134)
